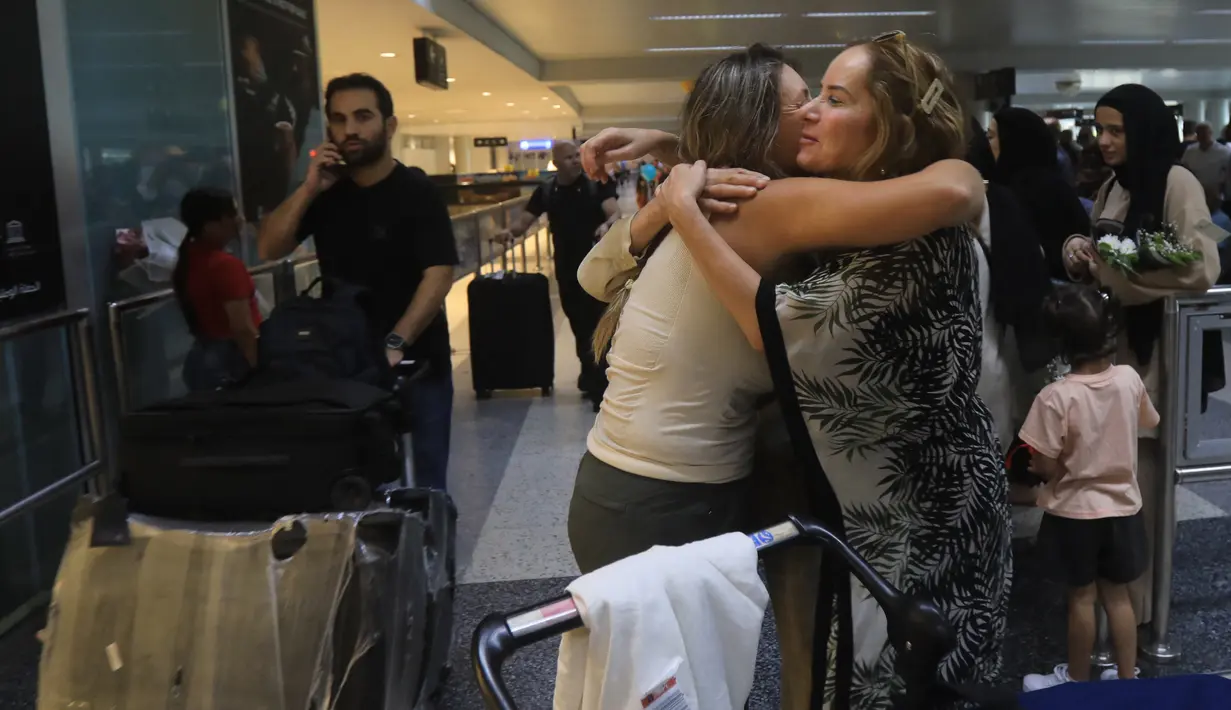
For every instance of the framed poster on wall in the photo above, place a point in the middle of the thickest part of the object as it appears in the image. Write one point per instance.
(275, 95)
(31, 272)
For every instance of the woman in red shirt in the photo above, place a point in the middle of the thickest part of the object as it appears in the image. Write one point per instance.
(215, 292)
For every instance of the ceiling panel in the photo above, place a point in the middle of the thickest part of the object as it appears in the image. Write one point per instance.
(566, 29)
(649, 92)
(353, 42)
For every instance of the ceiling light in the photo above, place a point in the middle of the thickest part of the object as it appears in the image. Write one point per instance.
(734, 16)
(722, 48)
(1219, 40)
(896, 13)
(450, 80)
(388, 55)
(813, 46)
(555, 105)
(1138, 42)
(487, 93)
(510, 104)
(543, 98)
(411, 116)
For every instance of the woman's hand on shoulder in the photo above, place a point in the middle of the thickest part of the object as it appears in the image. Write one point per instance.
(683, 189)
(725, 188)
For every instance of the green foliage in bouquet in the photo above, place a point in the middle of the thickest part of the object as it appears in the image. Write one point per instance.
(1160, 249)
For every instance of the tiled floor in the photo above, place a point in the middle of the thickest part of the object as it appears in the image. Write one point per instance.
(514, 458)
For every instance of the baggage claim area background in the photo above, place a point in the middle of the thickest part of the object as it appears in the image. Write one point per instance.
(513, 461)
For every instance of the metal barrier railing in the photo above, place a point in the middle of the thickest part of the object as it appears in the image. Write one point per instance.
(85, 400)
(1186, 321)
(472, 230)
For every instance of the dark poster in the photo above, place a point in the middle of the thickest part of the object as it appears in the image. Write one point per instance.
(276, 97)
(31, 274)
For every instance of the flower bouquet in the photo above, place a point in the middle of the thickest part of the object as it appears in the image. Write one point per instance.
(1159, 249)
(1153, 249)
(1119, 253)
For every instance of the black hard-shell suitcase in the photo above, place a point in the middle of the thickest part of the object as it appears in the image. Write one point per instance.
(260, 453)
(512, 333)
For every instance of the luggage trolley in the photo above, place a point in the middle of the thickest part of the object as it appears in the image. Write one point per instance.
(918, 631)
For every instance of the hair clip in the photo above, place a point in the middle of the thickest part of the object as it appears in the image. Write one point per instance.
(1106, 296)
(890, 36)
(932, 97)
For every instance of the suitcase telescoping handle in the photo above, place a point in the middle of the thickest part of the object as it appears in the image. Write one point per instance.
(918, 630)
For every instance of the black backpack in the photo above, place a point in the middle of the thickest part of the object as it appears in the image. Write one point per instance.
(320, 338)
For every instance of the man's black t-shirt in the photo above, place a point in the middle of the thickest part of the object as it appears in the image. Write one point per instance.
(383, 237)
(575, 212)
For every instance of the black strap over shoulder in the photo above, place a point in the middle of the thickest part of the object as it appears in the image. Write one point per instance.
(835, 584)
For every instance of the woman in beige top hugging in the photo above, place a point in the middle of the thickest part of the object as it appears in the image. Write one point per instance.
(671, 450)
(1138, 139)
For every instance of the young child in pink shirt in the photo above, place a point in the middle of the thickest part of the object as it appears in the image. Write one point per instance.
(1083, 434)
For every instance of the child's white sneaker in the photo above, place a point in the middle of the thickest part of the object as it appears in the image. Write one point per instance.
(1114, 674)
(1037, 681)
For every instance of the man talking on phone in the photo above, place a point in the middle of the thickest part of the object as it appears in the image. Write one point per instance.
(380, 225)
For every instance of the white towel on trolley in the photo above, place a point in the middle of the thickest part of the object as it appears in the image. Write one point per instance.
(674, 628)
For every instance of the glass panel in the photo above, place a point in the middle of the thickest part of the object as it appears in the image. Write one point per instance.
(153, 120)
(39, 444)
(156, 342)
(1208, 436)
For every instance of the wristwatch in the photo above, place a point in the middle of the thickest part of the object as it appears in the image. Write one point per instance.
(393, 341)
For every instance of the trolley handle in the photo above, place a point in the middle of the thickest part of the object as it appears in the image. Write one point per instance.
(918, 630)
(499, 636)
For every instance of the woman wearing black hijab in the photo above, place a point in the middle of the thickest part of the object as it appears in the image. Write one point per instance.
(1027, 163)
(1139, 141)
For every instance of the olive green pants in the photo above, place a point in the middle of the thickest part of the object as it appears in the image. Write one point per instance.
(615, 514)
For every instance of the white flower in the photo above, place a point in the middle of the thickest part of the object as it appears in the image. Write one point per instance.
(1127, 247)
(1112, 242)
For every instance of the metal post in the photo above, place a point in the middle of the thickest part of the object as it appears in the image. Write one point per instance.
(525, 263)
(1102, 656)
(89, 421)
(538, 246)
(114, 321)
(1158, 647)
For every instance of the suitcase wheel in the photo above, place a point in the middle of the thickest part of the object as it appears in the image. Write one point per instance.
(351, 493)
(483, 394)
(546, 391)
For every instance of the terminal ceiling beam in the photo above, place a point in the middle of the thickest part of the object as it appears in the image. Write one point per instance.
(678, 67)
(466, 18)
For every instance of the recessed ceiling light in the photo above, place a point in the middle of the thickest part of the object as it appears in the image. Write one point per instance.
(555, 105)
(450, 80)
(720, 48)
(411, 116)
(897, 13)
(388, 55)
(487, 93)
(1138, 42)
(732, 16)
(1218, 40)
(543, 98)
(510, 104)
